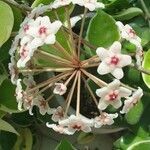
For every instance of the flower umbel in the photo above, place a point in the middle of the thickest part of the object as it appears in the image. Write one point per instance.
(51, 76)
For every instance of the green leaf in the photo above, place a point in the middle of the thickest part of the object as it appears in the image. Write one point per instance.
(6, 22)
(3, 73)
(17, 18)
(126, 140)
(102, 30)
(141, 145)
(134, 115)
(24, 141)
(37, 2)
(7, 98)
(65, 145)
(146, 66)
(85, 138)
(132, 73)
(2, 114)
(5, 126)
(128, 13)
(7, 140)
(116, 5)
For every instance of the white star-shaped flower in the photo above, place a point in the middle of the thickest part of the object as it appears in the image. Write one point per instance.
(111, 95)
(58, 128)
(60, 3)
(90, 4)
(43, 105)
(77, 123)
(28, 102)
(58, 114)
(128, 33)
(112, 60)
(131, 101)
(44, 31)
(13, 71)
(60, 89)
(104, 119)
(19, 94)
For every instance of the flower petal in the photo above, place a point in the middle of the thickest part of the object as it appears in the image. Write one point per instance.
(102, 92)
(116, 47)
(102, 104)
(125, 60)
(124, 92)
(118, 73)
(102, 53)
(103, 68)
(117, 104)
(51, 39)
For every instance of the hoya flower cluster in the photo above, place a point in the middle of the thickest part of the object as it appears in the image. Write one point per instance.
(69, 74)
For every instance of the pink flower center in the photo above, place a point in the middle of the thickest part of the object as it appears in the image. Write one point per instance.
(132, 32)
(26, 27)
(43, 103)
(24, 53)
(114, 60)
(42, 30)
(77, 127)
(113, 96)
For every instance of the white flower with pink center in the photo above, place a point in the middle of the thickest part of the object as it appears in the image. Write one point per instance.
(13, 71)
(132, 101)
(90, 4)
(44, 31)
(128, 33)
(26, 52)
(60, 89)
(60, 3)
(43, 105)
(58, 128)
(111, 95)
(112, 60)
(58, 114)
(104, 119)
(19, 94)
(77, 123)
(28, 102)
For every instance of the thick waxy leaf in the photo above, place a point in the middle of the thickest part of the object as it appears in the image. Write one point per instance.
(7, 98)
(25, 140)
(6, 22)
(116, 5)
(7, 140)
(146, 65)
(5, 126)
(3, 73)
(102, 30)
(17, 18)
(127, 141)
(85, 138)
(65, 145)
(128, 13)
(141, 145)
(134, 115)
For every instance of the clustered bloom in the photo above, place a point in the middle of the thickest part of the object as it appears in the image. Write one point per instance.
(60, 88)
(104, 119)
(132, 100)
(111, 95)
(112, 60)
(89, 4)
(129, 34)
(35, 32)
